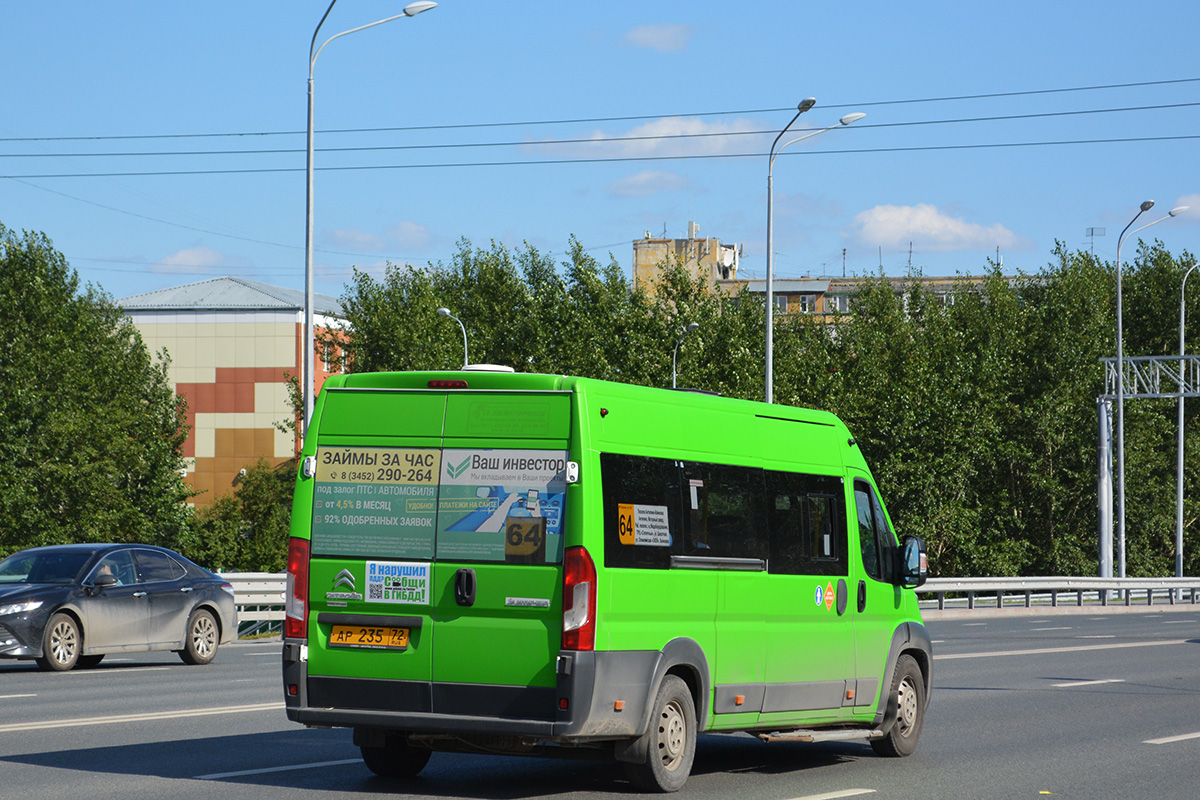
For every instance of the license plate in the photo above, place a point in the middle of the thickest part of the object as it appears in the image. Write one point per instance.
(376, 638)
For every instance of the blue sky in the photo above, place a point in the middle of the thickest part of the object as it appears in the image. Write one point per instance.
(134, 133)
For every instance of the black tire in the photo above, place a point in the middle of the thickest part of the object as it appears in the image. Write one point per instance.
(201, 638)
(670, 743)
(396, 759)
(87, 662)
(908, 695)
(61, 643)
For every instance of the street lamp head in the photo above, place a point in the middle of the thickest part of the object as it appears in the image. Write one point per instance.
(445, 312)
(1177, 210)
(1146, 206)
(412, 9)
(855, 117)
(806, 104)
(693, 326)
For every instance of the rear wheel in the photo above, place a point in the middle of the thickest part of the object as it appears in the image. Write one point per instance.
(670, 741)
(201, 639)
(396, 758)
(908, 693)
(61, 643)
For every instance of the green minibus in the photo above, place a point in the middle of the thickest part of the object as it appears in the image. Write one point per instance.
(486, 561)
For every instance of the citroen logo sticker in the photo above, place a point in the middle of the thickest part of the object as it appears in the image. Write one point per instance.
(344, 579)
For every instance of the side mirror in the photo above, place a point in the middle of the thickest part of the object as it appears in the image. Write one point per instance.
(914, 563)
(104, 581)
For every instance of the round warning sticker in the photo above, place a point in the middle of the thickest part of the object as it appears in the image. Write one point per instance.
(820, 596)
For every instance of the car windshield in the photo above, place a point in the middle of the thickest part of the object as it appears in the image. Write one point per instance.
(48, 567)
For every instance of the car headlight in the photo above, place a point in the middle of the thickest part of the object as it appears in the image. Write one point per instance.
(20, 608)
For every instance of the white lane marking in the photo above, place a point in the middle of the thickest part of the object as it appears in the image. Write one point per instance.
(1172, 739)
(1040, 651)
(937, 641)
(975, 625)
(835, 795)
(14, 696)
(276, 653)
(110, 673)
(216, 776)
(1071, 684)
(1064, 628)
(1098, 636)
(1179, 622)
(82, 721)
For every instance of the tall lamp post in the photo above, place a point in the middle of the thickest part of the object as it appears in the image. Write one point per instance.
(445, 312)
(805, 105)
(675, 354)
(1179, 448)
(309, 388)
(1146, 206)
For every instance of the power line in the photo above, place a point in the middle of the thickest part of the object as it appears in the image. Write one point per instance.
(595, 141)
(627, 118)
(597, 160)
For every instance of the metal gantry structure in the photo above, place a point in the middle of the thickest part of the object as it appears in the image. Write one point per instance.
(1144, 377)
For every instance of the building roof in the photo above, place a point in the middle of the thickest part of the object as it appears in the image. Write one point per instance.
(783, 285)
(228, 293)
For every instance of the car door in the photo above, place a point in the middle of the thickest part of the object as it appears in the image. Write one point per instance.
(169, 598)
(876, 599)
(115, 614)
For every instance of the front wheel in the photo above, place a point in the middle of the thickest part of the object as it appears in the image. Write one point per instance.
(908, 693)
(201, 638)
(61, 644)
(671, 740)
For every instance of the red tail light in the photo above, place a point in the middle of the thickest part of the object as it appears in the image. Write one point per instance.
(295, 624)
(579, 600)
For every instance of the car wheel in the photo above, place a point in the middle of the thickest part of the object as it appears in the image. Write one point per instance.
(201, 639)
(87, 662)
(908, 693)
(61, 643)
(670, 741)
(396, 759)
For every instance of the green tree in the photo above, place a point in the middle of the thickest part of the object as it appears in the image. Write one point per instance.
(246, 531)
(90, 429)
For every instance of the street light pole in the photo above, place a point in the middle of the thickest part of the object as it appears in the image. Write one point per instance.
(805, 105)
(308, 388)
(1146, 206)
(674, 355)
(445, 312)
(1179, 448)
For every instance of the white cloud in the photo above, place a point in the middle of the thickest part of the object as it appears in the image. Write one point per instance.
(1192, 201)
(192, 261)
(403, 235)
(648, 182)
(408, 235)
(929, 229)
(664, 37)
(670, 136)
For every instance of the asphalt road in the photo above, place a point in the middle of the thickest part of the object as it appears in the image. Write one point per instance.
(1060, 704)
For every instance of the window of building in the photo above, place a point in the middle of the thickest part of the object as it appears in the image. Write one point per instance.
(807, 303)
(781, 303)
(837, 303)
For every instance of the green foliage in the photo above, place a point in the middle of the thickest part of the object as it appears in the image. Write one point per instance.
(978, 416)
(90, 429)
(246, 531)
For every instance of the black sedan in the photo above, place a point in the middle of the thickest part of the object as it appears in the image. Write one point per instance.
(69, 605)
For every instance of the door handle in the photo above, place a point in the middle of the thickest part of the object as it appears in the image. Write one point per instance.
(139, 594)
(862, 596)
(186, 589)
(464, 587)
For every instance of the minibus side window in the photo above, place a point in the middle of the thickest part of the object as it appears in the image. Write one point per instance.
(723, 512)
(876, 538)
(866, 530)
(643, 516)
(807, 524)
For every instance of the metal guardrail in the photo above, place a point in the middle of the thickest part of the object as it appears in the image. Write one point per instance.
(1045, 591)
(259, 600)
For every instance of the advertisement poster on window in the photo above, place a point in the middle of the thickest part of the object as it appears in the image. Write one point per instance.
(502, 505)
(375, 501)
